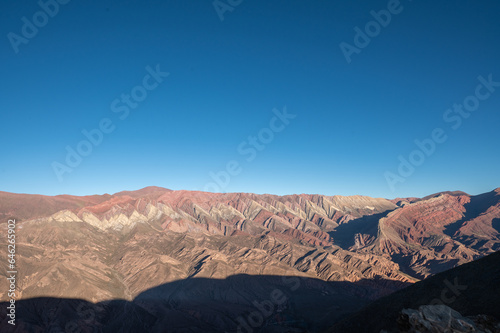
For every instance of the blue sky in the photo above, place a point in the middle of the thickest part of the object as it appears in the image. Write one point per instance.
(352, 120)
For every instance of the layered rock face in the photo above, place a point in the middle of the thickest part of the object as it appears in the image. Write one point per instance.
(119, 246)
(438, 232)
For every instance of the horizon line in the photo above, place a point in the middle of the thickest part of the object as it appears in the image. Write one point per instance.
(242, 192)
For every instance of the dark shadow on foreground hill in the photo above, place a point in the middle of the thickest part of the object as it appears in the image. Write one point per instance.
(240, 303)
(471, 289)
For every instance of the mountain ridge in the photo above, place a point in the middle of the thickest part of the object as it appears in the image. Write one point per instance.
(106, 247)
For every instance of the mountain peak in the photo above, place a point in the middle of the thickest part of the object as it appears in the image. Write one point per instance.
(148, 190)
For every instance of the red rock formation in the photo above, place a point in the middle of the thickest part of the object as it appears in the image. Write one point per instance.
(159, 235)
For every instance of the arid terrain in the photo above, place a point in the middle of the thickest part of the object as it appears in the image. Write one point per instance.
(197, 261)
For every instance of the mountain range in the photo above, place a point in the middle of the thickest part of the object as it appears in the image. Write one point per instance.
(199, 262)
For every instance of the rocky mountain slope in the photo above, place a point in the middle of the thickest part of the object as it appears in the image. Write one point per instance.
(472, 289)
(102, 247)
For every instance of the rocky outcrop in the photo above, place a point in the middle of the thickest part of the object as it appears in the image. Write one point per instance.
(442, 318)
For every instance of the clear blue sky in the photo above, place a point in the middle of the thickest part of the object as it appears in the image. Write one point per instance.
(352, 120)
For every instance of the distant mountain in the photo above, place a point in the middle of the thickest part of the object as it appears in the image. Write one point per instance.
(103, 247)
